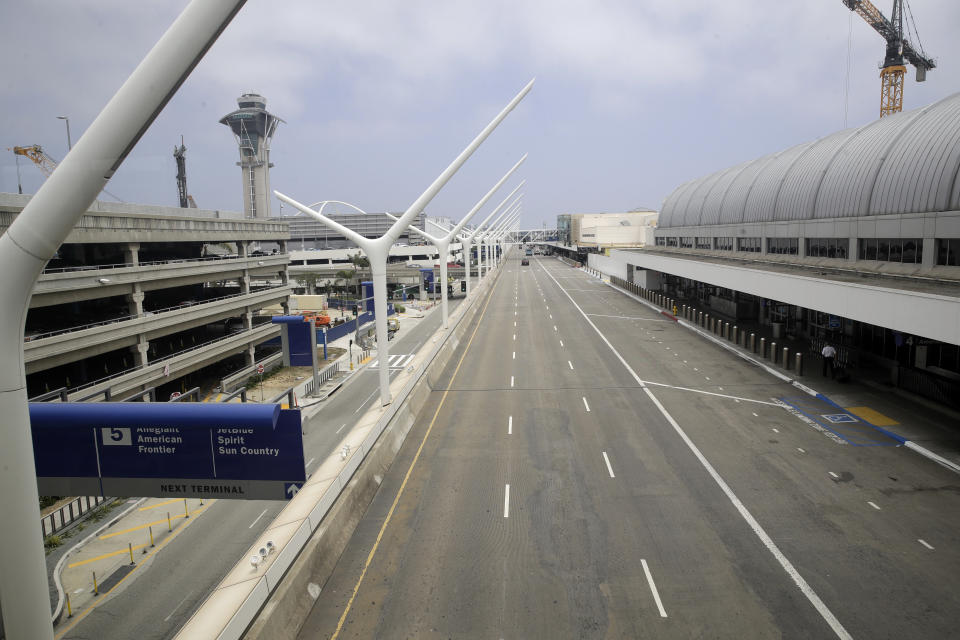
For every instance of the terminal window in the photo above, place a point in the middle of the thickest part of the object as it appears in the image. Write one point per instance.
(686, 242)
(751, 245)
(704, 243)
(661, 241)
(947, 251)
(828, 247)
(783, 246)
(723, 244)
(671, 242)
(908, 250)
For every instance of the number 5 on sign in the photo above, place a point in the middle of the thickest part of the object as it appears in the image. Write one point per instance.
(115, 435)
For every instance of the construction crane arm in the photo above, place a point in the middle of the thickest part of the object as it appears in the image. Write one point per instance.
(872, 16)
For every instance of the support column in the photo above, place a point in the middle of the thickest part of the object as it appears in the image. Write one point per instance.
(250, 358)
(131, 253)
(247, 319)
(244, 282)
(135, 301)
(139, 351)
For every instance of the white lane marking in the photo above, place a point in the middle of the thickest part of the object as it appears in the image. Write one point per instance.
(514, 313)
(707, 377)
(510, 426)
(720, 388)
(767, 541)
(514, 355)
(755, 415)
(775, 430)
(167, 619)
(833, 475)
(925, 543)
(262, 513)
(506, 502)
(653, 588)
(684, 362)
(585, 405)
(695, 369)
(341, 428)
(514, 323)
(800, 450)
(551, 316)
(511, 381)
(554, 327)
(561, 343)
(708, 393)
(873, 504)
(571, 365)
(309, 462)
(609, 468)
(635, 318)
(514, 336)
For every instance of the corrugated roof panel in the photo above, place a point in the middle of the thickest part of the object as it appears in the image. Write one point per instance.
(921, 164)
(673, 207)
(762, 201)
(734, 201)
(848, 183)
(710, 213)
(798, 195)
(699, 196)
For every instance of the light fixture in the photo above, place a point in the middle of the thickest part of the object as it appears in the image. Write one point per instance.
(255, 560)
(103, 280)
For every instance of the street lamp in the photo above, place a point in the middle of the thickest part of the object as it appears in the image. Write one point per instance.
(442, 244)
(67, 120)
(378, 249)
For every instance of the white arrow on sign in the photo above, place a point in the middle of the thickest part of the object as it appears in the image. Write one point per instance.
(292, 490)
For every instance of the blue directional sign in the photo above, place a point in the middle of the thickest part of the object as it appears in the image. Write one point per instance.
(252, 452)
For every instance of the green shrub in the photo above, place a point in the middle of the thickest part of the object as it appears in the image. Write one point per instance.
(52, 542)
(400, 308)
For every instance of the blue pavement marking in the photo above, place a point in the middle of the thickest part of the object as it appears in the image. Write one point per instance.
(850, 428)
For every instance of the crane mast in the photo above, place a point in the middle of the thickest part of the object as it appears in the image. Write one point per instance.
(899, 51)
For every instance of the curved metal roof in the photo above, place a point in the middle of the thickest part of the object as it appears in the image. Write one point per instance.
(905, 163)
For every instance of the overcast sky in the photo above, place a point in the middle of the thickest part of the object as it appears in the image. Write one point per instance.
(632, 97)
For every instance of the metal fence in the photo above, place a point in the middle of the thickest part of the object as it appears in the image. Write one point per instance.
(69, 513)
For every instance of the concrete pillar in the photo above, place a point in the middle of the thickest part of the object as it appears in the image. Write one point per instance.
(242, 248)
(285, 305)
(250, 359)
(283, 246)
(131, 253)
(135, 301)
(244, 282)
(247, 320)
(139, 351)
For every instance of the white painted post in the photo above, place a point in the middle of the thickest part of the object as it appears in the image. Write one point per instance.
(29, 242)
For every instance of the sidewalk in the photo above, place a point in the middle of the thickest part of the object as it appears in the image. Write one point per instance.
(119, 545)
(906, 419)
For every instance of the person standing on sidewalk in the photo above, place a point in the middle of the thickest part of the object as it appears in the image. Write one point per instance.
(829, 354)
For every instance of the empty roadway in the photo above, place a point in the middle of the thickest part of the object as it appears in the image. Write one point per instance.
(589, 468)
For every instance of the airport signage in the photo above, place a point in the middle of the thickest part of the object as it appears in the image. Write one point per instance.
(192, 450)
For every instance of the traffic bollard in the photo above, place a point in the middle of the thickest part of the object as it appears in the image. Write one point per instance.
(69, 608)
(151, 537)
(763, 348)
(786, 357)
(798, 363)
(96, 591)
(753, 343)
(130, 548)
(169, 523)
(186, 512)
(736, 336)
(773, 352)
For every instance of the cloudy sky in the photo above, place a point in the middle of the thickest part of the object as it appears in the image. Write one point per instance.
(632, 97)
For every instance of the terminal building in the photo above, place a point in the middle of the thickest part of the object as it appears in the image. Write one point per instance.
(852, 239)
(141, 297)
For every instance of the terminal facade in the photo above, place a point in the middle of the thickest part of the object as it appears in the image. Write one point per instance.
(852, 239)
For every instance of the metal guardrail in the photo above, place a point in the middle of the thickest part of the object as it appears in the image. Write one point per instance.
(152, 263)
(69, 513)
(269, 363)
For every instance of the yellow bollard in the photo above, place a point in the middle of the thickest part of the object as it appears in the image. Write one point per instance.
(69, 608)
(130, 548)
(96, 592)
(151, 537)
(186, 513)
(169, 525)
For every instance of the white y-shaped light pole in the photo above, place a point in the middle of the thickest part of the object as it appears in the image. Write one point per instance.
(25, 248)
(498, 235)
(512, 213)
(378, 249)
(467, 238)
(442, 244)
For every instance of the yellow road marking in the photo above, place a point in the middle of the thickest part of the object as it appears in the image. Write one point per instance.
(80, 616)
(106, 555)
(160, 504)
(150, 524)
(403, 485)
(873, 417)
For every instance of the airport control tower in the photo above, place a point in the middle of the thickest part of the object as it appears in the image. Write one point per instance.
(253, 128)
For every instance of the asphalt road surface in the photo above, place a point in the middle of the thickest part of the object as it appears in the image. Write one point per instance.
(590, 469)
(162, 596)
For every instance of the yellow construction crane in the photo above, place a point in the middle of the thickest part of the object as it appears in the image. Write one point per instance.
(899, 50)
(45, 163)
